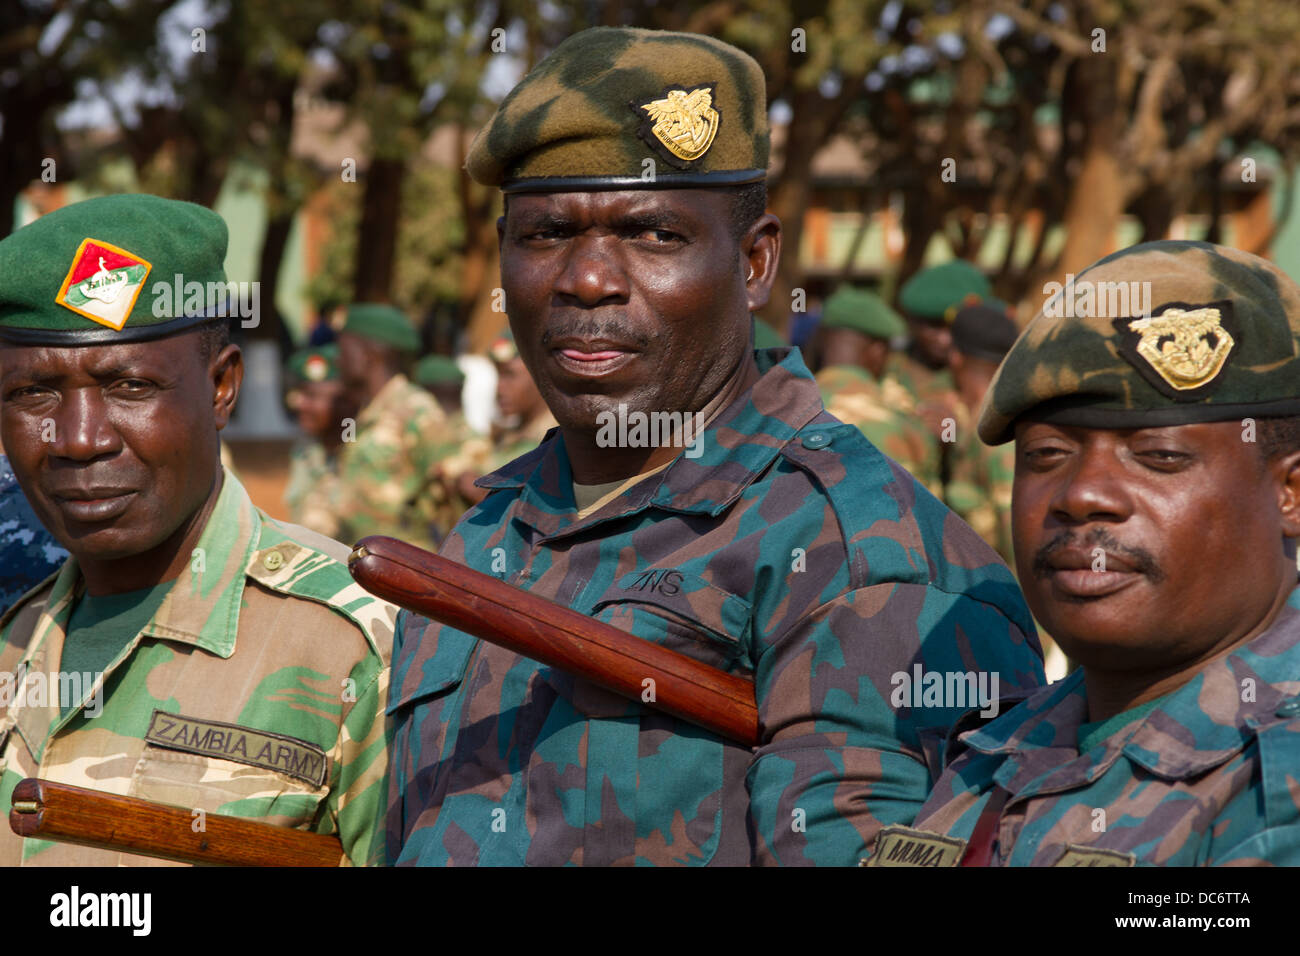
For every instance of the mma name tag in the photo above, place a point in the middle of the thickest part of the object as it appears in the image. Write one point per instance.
(256, 748)
(903, 846)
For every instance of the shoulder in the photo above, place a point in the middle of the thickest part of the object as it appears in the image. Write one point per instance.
(300, 563)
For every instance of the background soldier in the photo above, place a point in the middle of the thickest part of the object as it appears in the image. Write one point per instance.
(854, 337)
(385, 470)
(317, 400)
(1157, 503)
(28, 553)
(192, 651)
(782, 546)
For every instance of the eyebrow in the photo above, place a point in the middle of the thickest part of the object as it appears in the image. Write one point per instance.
(633, 221)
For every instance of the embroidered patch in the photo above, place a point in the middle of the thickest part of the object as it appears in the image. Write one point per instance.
(1086, 856)
(256, 748)
(103, 283)
(682, 123)
(903, 846)
(315, 368)
(1183, 348)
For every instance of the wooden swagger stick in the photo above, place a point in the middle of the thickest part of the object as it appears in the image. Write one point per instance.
(555, 635)
(106, 821)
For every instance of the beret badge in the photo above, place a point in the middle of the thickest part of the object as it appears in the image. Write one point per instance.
(680, 125)
(1185, 346)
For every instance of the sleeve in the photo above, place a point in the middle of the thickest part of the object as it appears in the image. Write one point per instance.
(847, 699)
(358, 800)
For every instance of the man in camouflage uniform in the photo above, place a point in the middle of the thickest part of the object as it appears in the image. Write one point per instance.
(854, 338)
(385, 469)
(979, 485)
(317, 400)
(524, 411)
(28, 553)
(778, 545)
(191, 651)
(460, 451)
(1157, 503)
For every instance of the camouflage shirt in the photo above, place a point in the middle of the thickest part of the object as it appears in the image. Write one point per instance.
(886, 414)
(1207, 777)
(28, 553)
(384, 474)
(256, 689)
(790, 552)
(310, 495)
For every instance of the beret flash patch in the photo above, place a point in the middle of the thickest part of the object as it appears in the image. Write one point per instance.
(103, 283)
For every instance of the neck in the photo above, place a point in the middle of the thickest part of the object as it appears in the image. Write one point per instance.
(163, 563)
(376, 379)
(1113, 692)
(594, 465)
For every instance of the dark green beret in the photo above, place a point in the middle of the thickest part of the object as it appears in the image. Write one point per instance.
(382, 323)
(984, 331)
(1163, 333)
(123, 268)
(938, 292)
(318, 364)
(766, 337)
(607, 99)
(862, 311)
(438, 370)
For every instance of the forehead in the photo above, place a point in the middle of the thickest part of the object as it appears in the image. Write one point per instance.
(95, 360)
(686, 203)
(1226, 434)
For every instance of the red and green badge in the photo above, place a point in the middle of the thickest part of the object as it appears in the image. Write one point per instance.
(103, 283)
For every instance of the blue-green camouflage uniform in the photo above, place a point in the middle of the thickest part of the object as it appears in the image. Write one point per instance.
(790, 552)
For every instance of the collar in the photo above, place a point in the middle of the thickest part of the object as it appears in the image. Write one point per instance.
(385, 400)
(736, 448)
(1197, 727)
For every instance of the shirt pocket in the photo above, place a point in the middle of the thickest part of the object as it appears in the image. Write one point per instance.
(435, 667)
(182, 764)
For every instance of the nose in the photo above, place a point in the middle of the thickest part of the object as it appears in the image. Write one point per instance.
(81, 427)
(1092, 487)
(593, 272)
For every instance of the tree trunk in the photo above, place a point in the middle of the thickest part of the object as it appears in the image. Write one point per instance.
(377, 235)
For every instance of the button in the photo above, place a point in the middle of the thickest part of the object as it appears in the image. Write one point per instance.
(815, 440)
(272, 560)
(1289, 708)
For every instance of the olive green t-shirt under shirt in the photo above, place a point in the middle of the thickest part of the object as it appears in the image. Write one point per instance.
(100, 627)
(1090, 735)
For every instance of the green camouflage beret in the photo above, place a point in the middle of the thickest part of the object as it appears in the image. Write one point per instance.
(608, 99)
(938, 292)
(382, 323)
(438, 370)
(766, 337)
(862, 311)
(318, 364)
(123, 268)
(1163, 333)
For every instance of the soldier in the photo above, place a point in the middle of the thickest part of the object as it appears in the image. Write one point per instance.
(772, 541)
(855, 331)
(317, 399)
(979, 486)
(192, 650)
(28, 553)
(386, 467)
(461, 454)
(1156, 505)
(520, 404)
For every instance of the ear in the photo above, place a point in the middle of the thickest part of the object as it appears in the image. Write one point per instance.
(1286, 471)
(227, 372)
(760, 250)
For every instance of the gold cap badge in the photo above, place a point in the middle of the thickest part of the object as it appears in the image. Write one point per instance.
(1186, 347)
(684, 123)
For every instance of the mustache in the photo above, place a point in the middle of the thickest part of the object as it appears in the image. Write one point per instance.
(1141, 559)
(611, 328)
